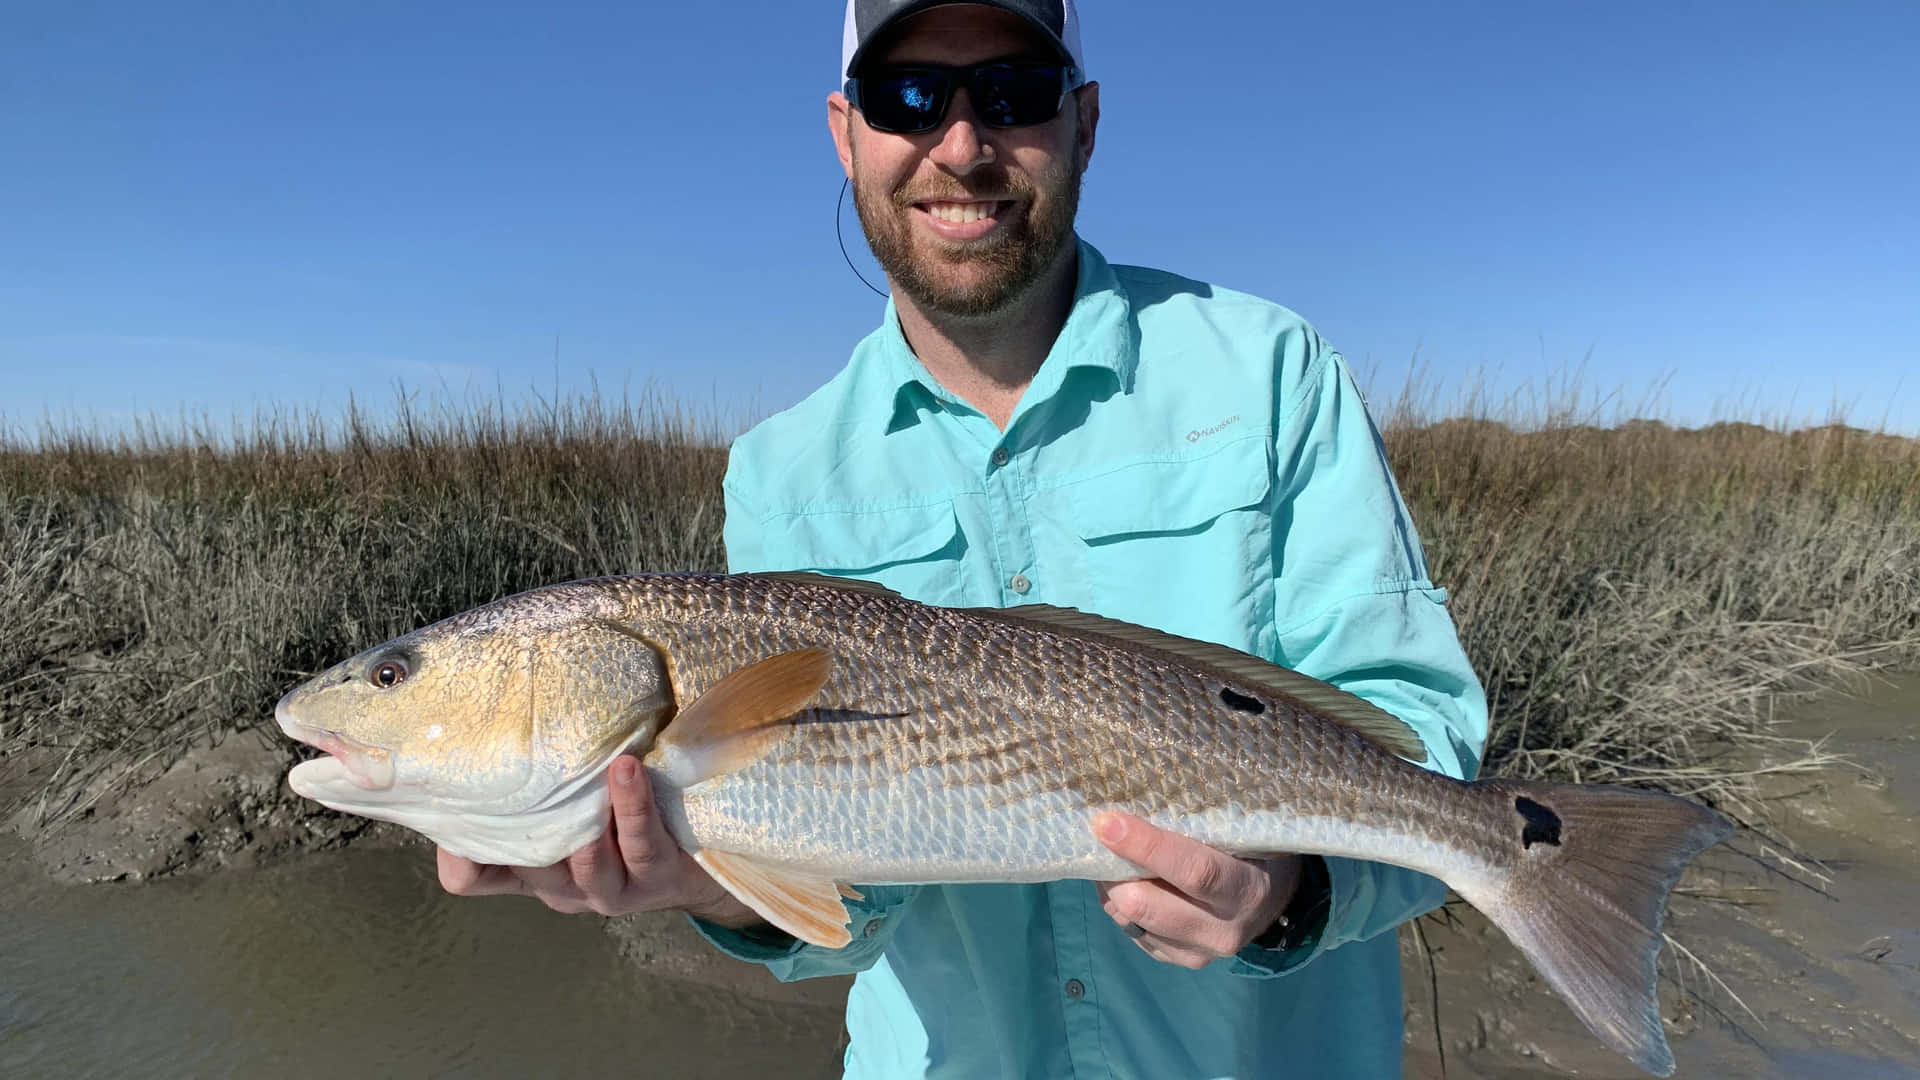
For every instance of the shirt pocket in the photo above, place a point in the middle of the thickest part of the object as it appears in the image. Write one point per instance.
(1184, 545)
(913, 550)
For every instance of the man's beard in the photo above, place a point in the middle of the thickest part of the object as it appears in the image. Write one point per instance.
(1009, 262)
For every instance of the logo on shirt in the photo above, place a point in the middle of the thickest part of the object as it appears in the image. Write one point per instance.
(1200, 433)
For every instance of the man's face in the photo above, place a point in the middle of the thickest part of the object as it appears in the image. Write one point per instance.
(965, 218)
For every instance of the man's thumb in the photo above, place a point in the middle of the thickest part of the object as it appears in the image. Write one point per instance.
(636, 825)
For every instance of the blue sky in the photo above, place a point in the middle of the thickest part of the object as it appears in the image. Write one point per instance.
(219, 207)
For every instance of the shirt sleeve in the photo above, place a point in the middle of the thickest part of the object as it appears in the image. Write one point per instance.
(1355, 607)
(871, 918)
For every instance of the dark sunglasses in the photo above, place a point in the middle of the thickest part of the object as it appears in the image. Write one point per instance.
(910, 100)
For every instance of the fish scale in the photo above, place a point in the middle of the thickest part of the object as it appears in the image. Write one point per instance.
(970, 777)
(804, 734)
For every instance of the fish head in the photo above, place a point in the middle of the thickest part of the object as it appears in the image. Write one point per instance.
(498, 711)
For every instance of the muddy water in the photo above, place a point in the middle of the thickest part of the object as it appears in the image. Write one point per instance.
(1831, 975)
(355, 964)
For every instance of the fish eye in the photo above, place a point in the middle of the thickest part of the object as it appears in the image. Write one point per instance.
(387, 673)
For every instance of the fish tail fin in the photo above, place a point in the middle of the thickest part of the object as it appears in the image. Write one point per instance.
(1591, 871)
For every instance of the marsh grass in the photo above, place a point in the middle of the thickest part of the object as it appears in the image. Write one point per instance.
(1634, 596)
(1638, 599)
(167, 586)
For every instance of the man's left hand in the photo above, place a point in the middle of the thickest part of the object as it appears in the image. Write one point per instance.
(1201, 904)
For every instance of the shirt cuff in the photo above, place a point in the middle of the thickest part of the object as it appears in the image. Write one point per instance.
(756, 944)
(870, 918)
(1259, 962)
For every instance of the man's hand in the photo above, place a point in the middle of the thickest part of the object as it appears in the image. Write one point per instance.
(1201, 904)
(634, 866)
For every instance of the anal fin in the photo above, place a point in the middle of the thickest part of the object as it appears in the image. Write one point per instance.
(809, 908)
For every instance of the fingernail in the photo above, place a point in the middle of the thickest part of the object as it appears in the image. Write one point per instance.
(1112, 828)
(623, 771)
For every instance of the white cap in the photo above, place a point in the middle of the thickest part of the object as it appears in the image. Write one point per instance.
(866, 18)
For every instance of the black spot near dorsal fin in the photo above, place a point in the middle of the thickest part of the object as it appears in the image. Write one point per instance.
(1241, 701)
(1543, 825)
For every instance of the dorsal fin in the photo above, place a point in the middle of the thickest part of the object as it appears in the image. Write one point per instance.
(740, 717)
(844, 584)
(1363, 717)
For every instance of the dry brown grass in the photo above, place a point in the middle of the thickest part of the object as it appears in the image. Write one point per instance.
(160, 588)
(1634, 597)
(1638, 598)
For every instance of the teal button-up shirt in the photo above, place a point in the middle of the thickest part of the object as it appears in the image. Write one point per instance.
(1188, 458)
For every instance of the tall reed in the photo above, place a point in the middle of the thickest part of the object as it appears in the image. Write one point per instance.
(1636, 597)
(166, 586)
(1633, 595)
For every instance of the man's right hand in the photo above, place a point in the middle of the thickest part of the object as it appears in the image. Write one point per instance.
(634, 866)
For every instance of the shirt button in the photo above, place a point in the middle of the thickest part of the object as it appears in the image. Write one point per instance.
(872, 928)
(1000, 456)
(1020, 584)
(1076, 989)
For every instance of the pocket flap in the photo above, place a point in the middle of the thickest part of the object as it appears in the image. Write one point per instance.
(1169, 496)
(861, 540)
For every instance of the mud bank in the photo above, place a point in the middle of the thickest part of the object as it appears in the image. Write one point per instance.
(219, 806)
(1828, 965)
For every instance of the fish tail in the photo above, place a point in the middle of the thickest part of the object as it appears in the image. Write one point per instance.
(1592, 867)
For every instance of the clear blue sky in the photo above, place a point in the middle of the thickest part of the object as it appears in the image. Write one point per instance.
(222, 206)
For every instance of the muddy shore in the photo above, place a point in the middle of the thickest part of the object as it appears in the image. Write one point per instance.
(220, 806)
(1826, 964)
(226, 807)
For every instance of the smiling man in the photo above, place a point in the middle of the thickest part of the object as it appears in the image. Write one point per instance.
(1031, 424)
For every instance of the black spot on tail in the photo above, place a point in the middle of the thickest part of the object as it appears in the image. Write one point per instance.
(1241, 701)
(1543, 825)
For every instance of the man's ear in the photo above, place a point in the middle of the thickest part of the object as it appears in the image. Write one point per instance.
(1087, 101)
(840, 124)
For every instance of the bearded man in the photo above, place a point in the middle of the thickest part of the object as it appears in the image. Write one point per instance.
(1031, 424)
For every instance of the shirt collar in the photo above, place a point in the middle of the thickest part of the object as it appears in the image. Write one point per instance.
(1098, 334)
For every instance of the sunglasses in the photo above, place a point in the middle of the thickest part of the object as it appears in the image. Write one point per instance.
(910, 100)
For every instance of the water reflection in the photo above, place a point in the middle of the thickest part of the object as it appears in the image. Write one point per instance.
(356, 965)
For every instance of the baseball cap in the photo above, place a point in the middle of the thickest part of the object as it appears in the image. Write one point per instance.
(1056, 19)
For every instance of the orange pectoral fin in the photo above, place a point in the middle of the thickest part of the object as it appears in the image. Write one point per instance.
(740, 717)
(807, 907)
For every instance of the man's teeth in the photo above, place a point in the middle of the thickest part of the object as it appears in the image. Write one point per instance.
(961, 213)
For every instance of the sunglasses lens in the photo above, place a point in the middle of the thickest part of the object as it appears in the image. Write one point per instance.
(1007, 95)
(906, 101)
(912, 100)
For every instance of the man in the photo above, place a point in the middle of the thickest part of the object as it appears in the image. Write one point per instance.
(1032, 424)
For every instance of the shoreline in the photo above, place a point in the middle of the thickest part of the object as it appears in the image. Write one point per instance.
(1847, 1006)
(1825, 964)
(219, 806)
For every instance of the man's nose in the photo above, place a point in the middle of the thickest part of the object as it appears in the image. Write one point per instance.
(962, 147)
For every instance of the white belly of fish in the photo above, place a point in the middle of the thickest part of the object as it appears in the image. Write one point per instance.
(923, 831)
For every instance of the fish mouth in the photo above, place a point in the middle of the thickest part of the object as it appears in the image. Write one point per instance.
(348, 761)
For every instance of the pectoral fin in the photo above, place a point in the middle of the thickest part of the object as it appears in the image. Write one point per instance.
(740, 717)
(807, 907)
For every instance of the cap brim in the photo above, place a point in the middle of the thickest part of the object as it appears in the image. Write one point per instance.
(892, 21)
